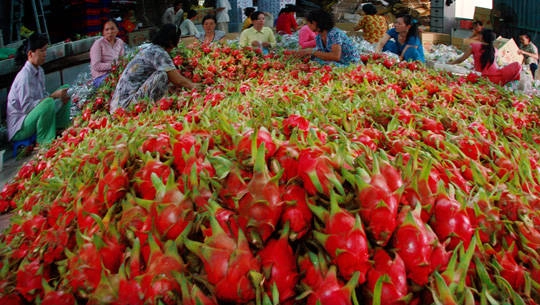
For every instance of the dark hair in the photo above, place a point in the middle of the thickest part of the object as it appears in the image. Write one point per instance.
(488, 50)
(369, 9)
(167, 36)
(32, 43)
(213, 17)
(324, 20)
(248, 11)
(409, 20)
(525, 34)
(107, 21)
(191, 14)
(288, 8)
(255, 15)
(177, 3)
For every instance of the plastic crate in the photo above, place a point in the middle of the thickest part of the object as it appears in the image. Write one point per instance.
(56, 51)
(7, 66)
(81, 45)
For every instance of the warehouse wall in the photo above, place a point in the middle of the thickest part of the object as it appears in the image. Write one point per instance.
(517, 16)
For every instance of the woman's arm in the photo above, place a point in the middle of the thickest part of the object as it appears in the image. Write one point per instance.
(462, 58)
(180, 81)
(533, 55)
(333, 55)
(382, 42)
(360, 24)
(413, 42)
(61, 94)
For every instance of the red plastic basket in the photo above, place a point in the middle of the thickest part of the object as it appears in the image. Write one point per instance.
(466, 24)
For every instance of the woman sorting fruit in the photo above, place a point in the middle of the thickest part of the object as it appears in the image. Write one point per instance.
(258, 36)
(484, 55)
(372, 25)
(210, 34)
(30, 109)
(104, 52)
(403, 40)
(148, 74)
(333, 46)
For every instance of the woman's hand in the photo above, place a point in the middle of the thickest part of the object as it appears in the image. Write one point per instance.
(381, 43)
(61, 94)
(304, 52)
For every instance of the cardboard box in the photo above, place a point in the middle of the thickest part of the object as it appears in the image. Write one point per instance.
(138, 37)
(429, 39)
(458, 42)
(484, 15)
(507, 51)
(346, 26)
(201, 12)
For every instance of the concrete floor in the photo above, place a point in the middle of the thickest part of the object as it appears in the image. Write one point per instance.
(9, 169)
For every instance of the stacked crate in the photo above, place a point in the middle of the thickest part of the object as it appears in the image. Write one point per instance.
(89, 15)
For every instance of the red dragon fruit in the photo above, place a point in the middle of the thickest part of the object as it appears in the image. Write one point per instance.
(61, 297)
(279, 267)
(113, 185)
(29, 278)
(260, 208)
(345, 240)
(234, 187)
(296, 211)
(415, 242)
(192, 294)
(143, 178)
(313, 267)
(316, 171)
(378, 209)
(158, 281)
(84, 269)
(248, 143)
(451, 222)
(332, 291)
(227, 263)
(392, 277)
(173, 211)
(287, 157)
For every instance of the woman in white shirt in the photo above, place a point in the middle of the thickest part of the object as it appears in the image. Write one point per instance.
(30, 109)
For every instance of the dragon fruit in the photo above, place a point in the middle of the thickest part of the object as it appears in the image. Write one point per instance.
(260, 208)
(279, 267)
(227, 263)
(392, 277)
(344, 239)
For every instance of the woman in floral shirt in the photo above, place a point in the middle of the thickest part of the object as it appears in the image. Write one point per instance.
(333, 46)
(373, 26)
(148, 74)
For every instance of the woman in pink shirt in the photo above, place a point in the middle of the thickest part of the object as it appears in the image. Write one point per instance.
(484, 55)
(306, 37)
(104, 52)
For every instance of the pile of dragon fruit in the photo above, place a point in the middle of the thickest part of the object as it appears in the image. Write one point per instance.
(284, 182)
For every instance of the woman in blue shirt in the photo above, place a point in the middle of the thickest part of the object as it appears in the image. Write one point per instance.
(403, 40)
(333, 46)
